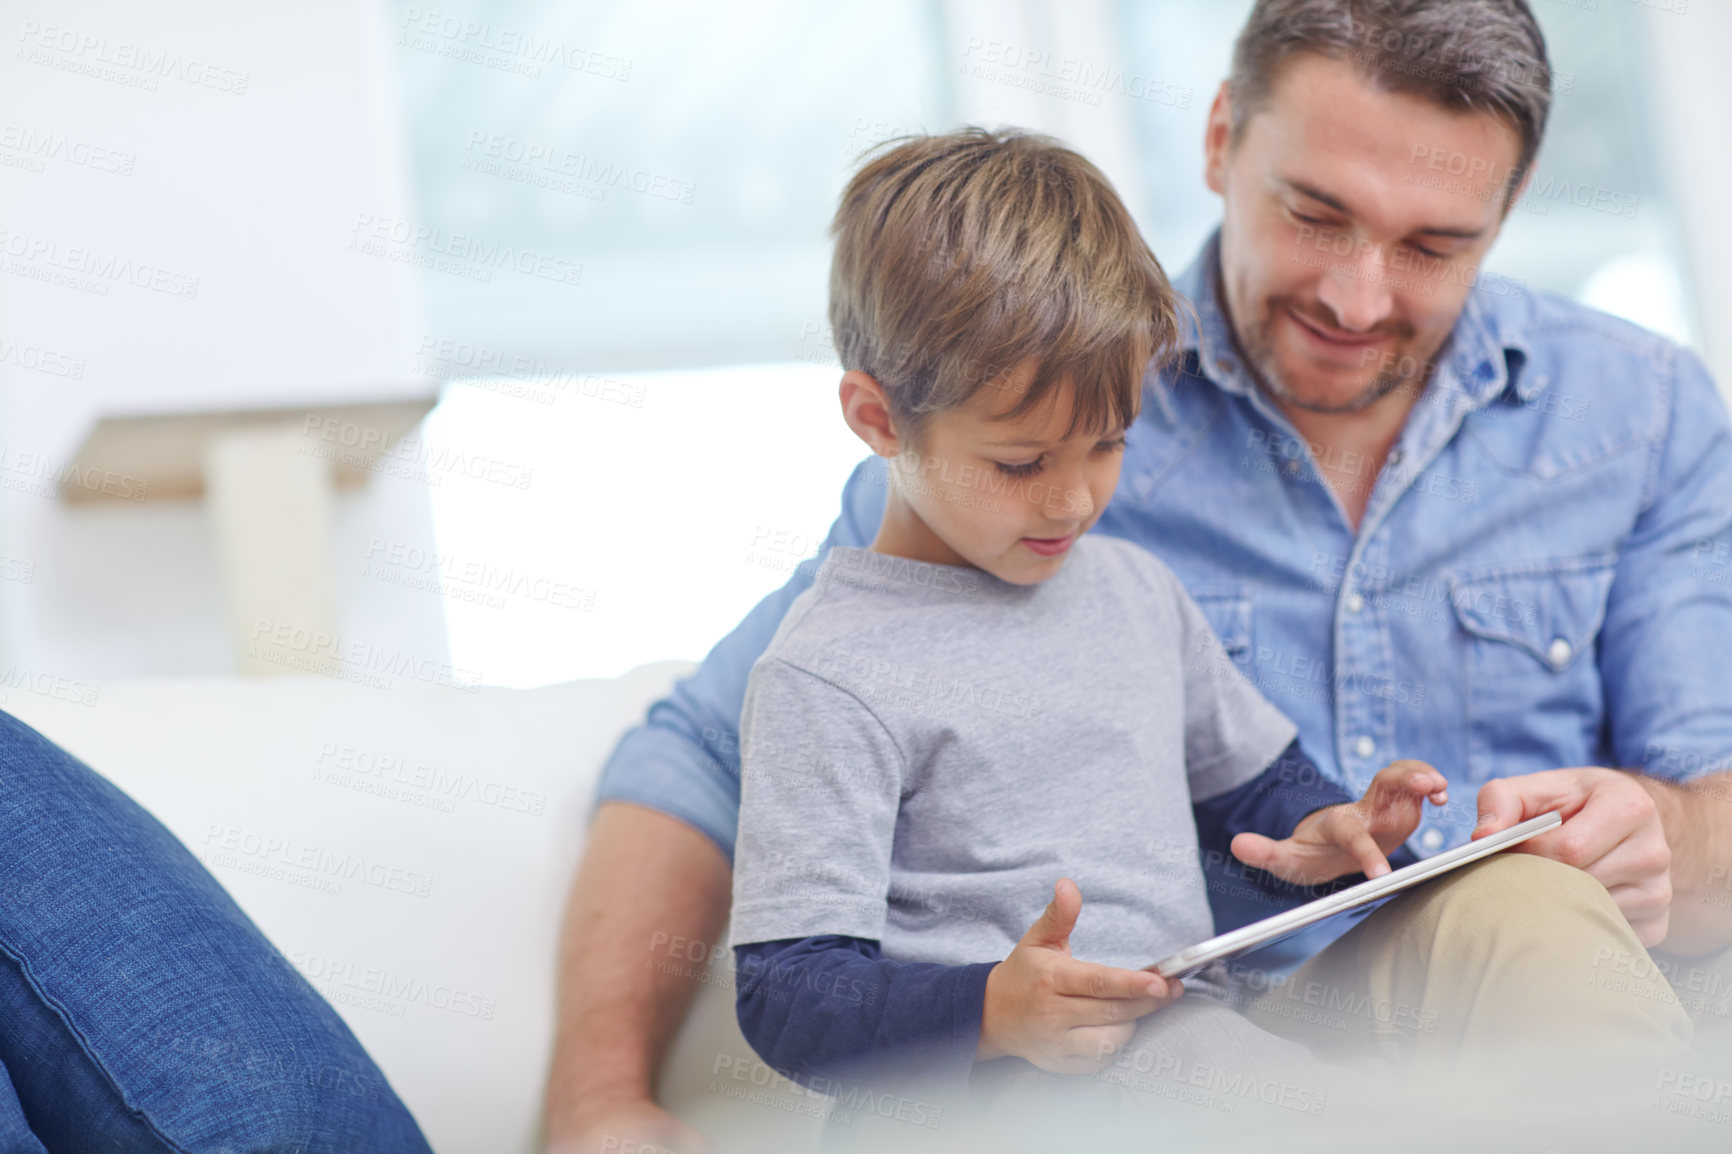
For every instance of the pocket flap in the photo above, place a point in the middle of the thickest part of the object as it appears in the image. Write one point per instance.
(1552, 609)
(1228, 610)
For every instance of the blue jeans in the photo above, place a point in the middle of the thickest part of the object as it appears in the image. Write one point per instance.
(140, 1010)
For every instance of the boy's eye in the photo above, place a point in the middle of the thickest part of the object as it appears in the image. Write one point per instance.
(1024, 470)
(1110, 446)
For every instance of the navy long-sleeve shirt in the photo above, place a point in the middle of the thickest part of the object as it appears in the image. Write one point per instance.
(814, 1008)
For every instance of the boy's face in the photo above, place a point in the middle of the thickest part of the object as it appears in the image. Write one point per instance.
(1009, 495)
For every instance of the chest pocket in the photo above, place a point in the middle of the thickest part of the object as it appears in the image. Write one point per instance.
(1228, 611)
(1531, 680)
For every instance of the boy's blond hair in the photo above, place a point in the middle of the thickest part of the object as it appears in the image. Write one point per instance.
(960, 257)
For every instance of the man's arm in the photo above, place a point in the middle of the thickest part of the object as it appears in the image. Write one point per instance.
(1697, 818)
(657, 862)
(1658, 847)
(647, 879)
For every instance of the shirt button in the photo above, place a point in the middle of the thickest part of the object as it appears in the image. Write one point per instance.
(1431, 839)
(1293, 466)
(1395, 456)
(1224, 365)
(1364, 747)
(1559, 652)
(1355, 602)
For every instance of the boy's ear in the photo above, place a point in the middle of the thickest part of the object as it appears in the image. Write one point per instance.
(867, 411)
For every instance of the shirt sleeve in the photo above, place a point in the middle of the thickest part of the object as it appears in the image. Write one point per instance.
(1668, 622)
(816, 1009)
(684, 759)
(1273, 803)
(821, 788)
(1232, 733)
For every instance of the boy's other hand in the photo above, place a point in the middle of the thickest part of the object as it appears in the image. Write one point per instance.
(1065, 1016)
(1343, 839)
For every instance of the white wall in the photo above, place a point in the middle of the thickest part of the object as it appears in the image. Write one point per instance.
(179, 187)
(1688, 43)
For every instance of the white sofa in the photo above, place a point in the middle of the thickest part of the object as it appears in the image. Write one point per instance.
(467, 812)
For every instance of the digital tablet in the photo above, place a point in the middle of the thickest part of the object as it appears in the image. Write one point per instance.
(1189, 961)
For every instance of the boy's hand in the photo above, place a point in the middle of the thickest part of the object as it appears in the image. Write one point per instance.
(1346, 838)
(1065, 1016)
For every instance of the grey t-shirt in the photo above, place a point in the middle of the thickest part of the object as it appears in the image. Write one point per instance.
(926, 749)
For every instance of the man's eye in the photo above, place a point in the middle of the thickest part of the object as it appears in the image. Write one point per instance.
(1023, 470)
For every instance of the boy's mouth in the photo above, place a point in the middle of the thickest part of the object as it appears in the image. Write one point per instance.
(1049, 546)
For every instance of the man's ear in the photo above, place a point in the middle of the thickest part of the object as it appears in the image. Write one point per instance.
(1516, 196)
(1218, 141)
(866, 408)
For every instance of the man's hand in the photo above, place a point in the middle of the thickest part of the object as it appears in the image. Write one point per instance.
(1611, 829)
(1353, 837)
(1065, 1016)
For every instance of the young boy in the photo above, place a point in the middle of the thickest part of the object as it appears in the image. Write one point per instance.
(988, 698)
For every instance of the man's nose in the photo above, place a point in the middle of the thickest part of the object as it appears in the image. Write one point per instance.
(1356, 290)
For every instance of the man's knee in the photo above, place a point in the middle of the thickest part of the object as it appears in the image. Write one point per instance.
(1518, 889)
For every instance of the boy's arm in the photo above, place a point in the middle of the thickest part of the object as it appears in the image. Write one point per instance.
(1273, 804)
(819, 1008)
(1263, 797)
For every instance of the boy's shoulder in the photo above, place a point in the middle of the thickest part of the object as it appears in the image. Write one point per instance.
(860, 604)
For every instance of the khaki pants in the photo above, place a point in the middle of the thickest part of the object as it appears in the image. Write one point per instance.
(1509, 955)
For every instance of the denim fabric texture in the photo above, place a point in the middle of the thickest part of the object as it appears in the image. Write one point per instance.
(140, 1010)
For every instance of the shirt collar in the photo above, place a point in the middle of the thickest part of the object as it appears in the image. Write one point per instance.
(1478, 352)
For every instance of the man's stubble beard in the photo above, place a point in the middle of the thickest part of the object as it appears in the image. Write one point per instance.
(1261, 358)
(1258, 352)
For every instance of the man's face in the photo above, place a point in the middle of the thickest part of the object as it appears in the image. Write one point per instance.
(1355, 222)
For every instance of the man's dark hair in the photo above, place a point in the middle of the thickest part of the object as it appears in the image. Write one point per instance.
(1470, 55)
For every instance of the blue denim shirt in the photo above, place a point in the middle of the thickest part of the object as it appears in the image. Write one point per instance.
(1542, 576)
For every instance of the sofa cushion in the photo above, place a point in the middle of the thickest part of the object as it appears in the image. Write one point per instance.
(410, 852)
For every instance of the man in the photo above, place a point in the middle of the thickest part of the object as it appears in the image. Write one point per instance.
(1431, 515)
